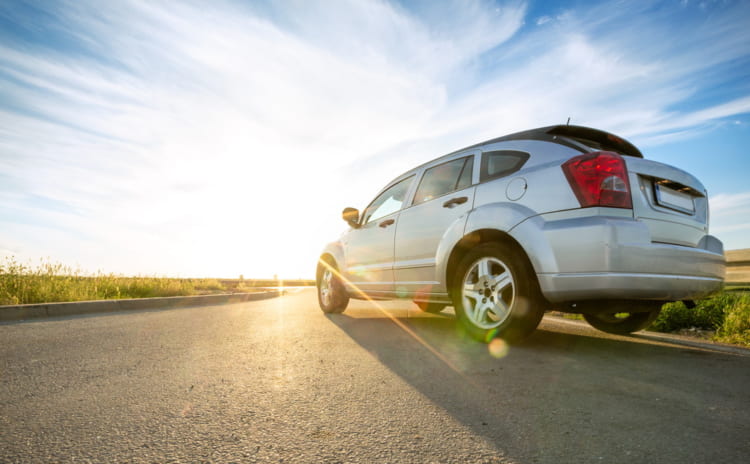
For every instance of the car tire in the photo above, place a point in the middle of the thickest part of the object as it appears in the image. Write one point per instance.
(626, 318)
(496, 294)
(332, 296)
(430, 306)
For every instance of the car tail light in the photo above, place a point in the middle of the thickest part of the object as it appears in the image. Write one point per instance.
(599, 179)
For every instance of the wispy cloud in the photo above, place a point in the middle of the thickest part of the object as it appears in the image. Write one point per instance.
(730, 216)
(729, 203)
(178, 138)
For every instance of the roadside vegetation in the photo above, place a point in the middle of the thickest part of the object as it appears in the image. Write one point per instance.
(724, 317)
(51, 282)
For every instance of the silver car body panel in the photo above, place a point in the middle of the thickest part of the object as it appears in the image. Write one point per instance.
(611, 257)
(419, 232)
(668, 224)
(369, 253)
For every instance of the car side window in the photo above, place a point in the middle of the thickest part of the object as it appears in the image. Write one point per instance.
(501, 163)
(444, 178)
(388, 202)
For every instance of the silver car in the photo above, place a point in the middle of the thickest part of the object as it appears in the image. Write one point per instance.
(564, 217)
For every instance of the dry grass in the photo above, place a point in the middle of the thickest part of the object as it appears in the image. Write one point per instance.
(53, 282)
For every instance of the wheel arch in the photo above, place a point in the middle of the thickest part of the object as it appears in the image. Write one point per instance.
(479, 237)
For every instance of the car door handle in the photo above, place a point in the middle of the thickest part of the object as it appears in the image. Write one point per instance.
(455, 202)
(386, 223)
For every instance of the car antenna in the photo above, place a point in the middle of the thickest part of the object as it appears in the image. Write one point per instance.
(568, 123)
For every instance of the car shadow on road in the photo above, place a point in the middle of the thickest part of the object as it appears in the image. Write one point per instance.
(622, 399)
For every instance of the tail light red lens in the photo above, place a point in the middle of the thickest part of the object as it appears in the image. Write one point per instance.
(599, 179)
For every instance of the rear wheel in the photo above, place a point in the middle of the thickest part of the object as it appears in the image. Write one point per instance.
(496, 294)
(625, 317)
(332, 296)
(430, 307)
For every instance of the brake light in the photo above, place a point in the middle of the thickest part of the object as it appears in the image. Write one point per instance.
(599, 179)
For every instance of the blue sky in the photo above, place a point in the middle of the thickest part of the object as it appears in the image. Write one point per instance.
(177, 138)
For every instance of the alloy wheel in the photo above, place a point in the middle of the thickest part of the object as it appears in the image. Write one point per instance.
(488, 293)
(326, 288)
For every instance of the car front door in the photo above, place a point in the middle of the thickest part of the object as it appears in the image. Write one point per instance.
(444, 195)
(369, 248)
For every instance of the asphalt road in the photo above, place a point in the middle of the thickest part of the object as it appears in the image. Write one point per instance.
(279, 381)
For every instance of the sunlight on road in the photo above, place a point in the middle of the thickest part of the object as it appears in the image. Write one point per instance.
(498, 349)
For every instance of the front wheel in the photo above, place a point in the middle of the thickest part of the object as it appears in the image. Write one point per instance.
(495, 294)
(625, 318)
(332, 296)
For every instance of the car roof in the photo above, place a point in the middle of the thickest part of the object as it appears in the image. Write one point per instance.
(565, 134)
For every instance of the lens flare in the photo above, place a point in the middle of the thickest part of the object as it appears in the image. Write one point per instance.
(498, 348)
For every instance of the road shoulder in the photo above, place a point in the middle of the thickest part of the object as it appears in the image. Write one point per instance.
(15, 313)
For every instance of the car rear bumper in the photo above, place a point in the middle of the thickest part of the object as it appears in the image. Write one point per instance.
(665, 287)
(601, 257)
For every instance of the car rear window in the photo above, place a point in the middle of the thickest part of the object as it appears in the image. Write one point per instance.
(501, 163)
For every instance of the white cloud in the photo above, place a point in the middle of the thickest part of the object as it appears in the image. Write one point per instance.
(208, 142)
(730, 219)
(729, 203)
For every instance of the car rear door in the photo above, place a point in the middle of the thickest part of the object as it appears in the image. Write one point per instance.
(445, 194)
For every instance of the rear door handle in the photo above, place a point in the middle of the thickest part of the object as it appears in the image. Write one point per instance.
(455, 202)
(386, 223)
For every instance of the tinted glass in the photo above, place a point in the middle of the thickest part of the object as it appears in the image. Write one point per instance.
(443, 179)
(388, 202)
(501, 163)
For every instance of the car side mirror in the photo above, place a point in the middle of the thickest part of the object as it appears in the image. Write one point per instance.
(351, 216)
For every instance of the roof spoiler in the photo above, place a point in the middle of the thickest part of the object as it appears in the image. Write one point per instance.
(576, 135)
(604, 140)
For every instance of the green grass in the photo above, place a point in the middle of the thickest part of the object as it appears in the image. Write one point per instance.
(726, 316)
(51, 282)
(726, 313)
